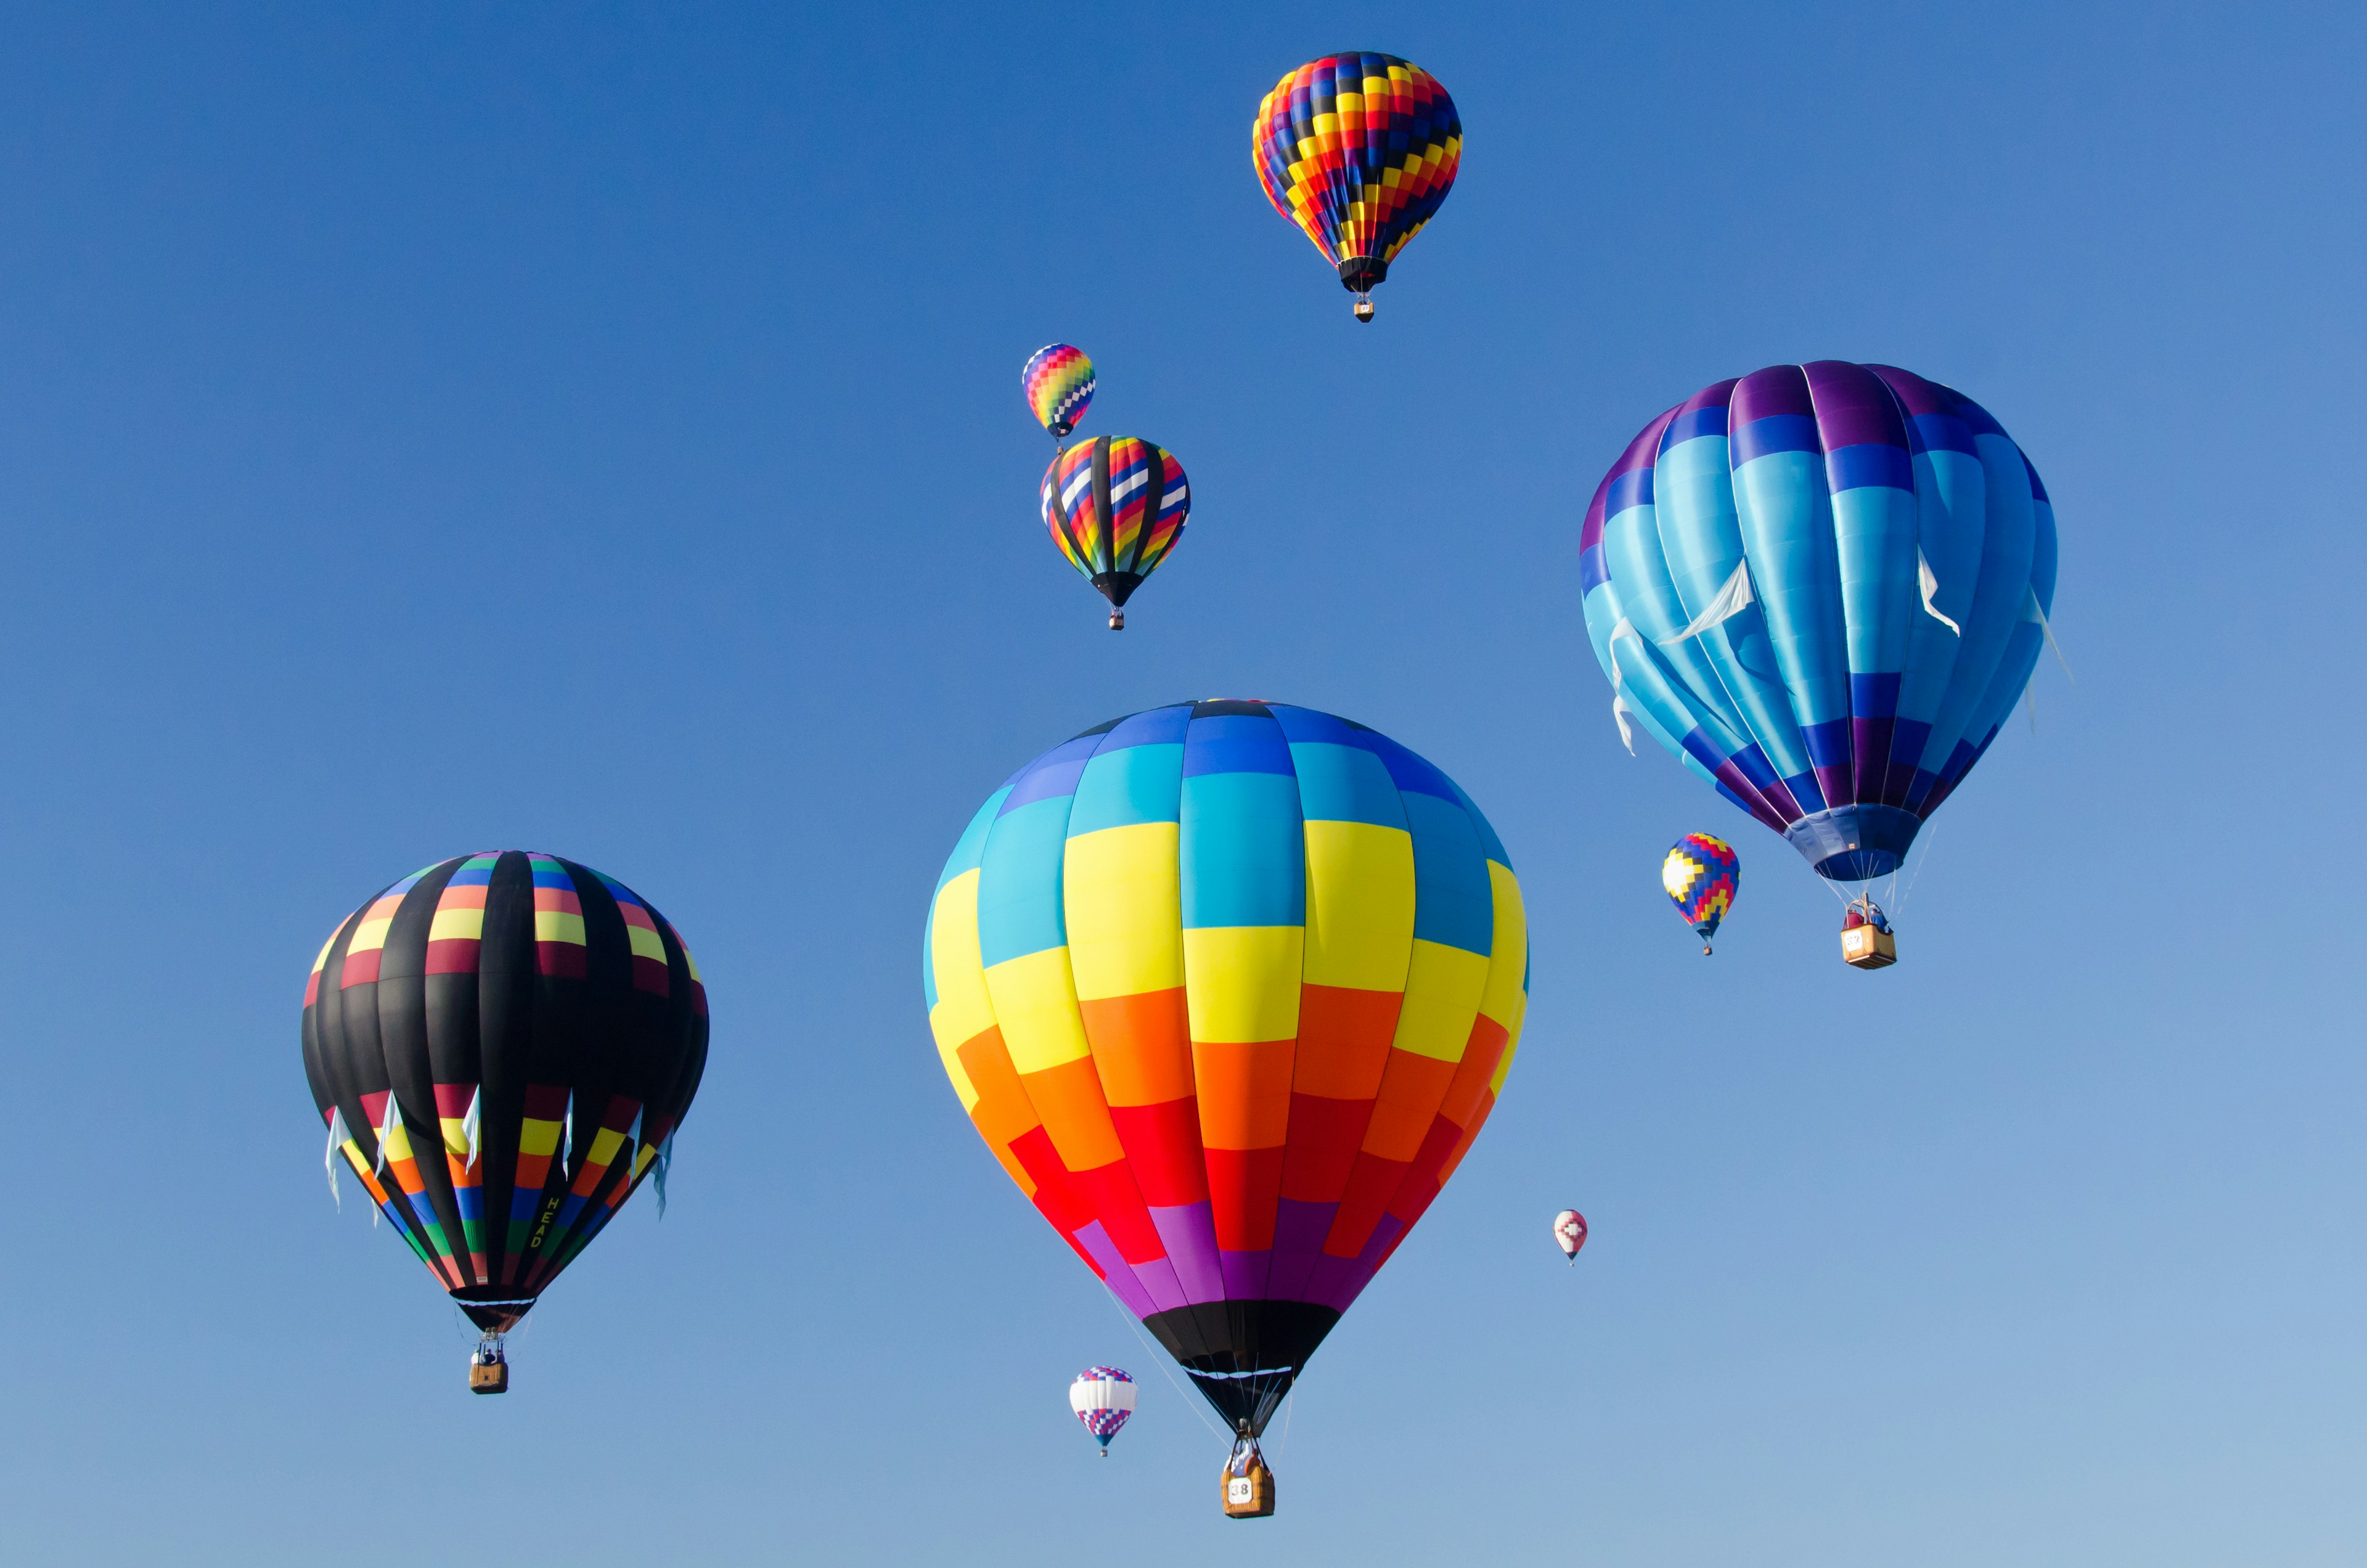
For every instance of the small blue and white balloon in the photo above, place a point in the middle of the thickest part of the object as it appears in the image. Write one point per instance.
(1103, 1398)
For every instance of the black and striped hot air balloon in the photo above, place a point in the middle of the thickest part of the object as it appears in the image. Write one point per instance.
(502, 1047)
(1116, 506)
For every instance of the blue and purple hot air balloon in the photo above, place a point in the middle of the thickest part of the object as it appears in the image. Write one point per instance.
(1822, 587)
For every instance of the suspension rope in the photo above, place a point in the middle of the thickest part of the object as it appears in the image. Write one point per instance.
(1165, 1365)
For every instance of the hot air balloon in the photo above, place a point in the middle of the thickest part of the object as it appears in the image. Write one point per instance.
(1701, 876)
(541, 1024)
(1228, 988)
(1058, 382)
(1359, 150)
(1103, 1398)
(1822, 587)
(1569, 1232)
(1116, 506)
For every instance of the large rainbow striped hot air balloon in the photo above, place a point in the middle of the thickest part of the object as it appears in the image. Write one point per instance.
(1359, 150)
(1116, 506)
(1822, 587)
(1228, 988)
(502, 1047)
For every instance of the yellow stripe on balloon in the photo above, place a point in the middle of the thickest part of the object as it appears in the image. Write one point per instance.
(1240, 983)
(1360, 902)
(1443, 986)
(964, 1010)
(558, 925)
(1502, 1000)
(456, 925)
(1125, 910)
(1035, 1003)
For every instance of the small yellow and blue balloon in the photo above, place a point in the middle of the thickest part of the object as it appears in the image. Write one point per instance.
(1057, 383)
(1115, 506)
(1359, 150)
(1700, 876)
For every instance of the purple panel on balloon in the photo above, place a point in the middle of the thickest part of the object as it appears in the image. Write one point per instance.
(1159, 1283)
(1298, 1232)
(1247, 1275)
(1190, 1237)
(1765, 394)
(1097, 1246)
(1854, 408)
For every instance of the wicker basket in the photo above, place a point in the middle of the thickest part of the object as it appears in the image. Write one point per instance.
(1863, 947)
(1248, 1495)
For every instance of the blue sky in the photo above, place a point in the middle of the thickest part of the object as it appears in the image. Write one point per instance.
(424, 431)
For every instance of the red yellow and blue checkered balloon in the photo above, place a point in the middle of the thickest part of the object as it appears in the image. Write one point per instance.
(1701, 876)
(1058, 382)
(1359, 150)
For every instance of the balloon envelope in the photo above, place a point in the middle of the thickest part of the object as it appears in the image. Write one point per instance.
(1700, 876)
(1822, 587)
(1228, 988)
(1569, 1232)
(1057, 383)
(1116, 506)
(1359, 150)
(1103, 1398)
(502, 1045)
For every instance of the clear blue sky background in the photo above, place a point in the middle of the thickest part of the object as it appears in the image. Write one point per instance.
(596, 430)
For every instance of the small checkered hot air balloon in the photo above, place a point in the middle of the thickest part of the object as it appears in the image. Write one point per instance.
(1359, 150)
(1569, 1232)
(1103, 1398)
(1057, 383)
(1700, 876)
(502, 1045)
(1116, 506)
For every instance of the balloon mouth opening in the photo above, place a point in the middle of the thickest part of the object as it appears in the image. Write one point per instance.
(1858, 865)
(1117, 587)
(1362, 275)
(491, 1309)
(1855, 843)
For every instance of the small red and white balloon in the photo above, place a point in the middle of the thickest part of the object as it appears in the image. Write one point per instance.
(1569, 1232)
(1103, 1398)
